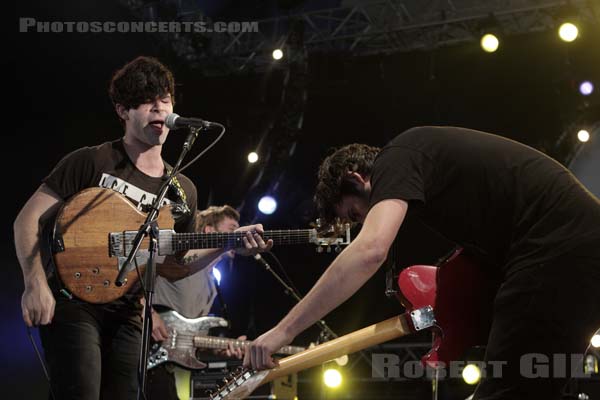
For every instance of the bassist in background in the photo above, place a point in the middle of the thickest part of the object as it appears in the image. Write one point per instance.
(92, 350)
(191, 297)
(502, 201)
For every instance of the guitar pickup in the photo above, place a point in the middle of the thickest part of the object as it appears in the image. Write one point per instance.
(120, 243)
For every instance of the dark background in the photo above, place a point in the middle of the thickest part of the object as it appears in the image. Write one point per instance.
(526, 91)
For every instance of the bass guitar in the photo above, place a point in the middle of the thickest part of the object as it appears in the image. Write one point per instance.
(187, 335)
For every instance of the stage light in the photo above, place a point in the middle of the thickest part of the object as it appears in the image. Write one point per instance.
(267, 205)
(583, 135)
(471, 374)
(217, 274)
(277, 54)
(332, 378)
(586, 88)
(252, 157)
(341, 361)
(568, 32)
(489, 43)
(596, 340)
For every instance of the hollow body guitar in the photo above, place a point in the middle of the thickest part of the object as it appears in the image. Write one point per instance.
(186, 335)
(453, 299)
(93, 235)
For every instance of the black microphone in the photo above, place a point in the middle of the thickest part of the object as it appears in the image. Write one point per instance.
(174, 121)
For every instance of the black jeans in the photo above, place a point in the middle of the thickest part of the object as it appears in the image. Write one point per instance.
(92, 350)
(542, 312)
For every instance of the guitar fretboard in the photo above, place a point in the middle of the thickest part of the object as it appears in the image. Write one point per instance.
(187, 241)
(211, 342)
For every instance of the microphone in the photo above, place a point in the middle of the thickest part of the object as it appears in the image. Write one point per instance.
(174, 121)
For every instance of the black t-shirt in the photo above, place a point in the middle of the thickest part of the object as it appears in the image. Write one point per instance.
(108, 165)
(498, 198)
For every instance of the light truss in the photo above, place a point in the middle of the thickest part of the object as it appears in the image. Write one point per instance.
(362, 27)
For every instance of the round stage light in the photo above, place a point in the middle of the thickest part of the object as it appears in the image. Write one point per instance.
(332, 378)
(277, 54)
(596, 340)
(568, 32)
(252, 157)
(583, 135)
(586, 88)
(342, 361)
(267, 205)
(489, 43)
(471, 374)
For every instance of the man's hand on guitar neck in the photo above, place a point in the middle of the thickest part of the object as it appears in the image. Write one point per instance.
(253, 243)
(258, 353)
(232, 351)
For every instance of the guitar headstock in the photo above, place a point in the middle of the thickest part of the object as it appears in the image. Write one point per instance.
(330, 235)
(239, 384)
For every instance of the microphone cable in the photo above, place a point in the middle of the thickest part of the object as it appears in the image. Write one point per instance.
(39, 355)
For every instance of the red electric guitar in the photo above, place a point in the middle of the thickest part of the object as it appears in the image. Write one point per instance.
(458, 294)
(462, 299)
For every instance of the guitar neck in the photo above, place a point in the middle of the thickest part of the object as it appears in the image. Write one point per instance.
(188, 241)
(347, 344)
(212, 342)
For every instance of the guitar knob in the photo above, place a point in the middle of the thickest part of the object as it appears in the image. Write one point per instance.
(319, 249)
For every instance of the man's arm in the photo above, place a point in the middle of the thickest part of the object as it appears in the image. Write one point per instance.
(196, 260)
(37, 302)
(348, 272)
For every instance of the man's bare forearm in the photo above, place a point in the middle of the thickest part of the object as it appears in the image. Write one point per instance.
(27, 246)
(348, 272)
(188, 263)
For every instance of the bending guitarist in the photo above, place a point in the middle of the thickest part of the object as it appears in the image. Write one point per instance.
(192, 296)
(509, 203)
(92, 350)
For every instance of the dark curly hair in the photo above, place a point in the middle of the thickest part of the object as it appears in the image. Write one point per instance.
(333, 182)
(141, 81)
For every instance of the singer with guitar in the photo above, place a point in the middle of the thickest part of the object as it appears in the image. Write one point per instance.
(92, 350)
(520, 211)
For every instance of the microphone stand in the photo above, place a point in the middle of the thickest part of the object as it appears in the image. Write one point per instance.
(326, 333)
(150, 228)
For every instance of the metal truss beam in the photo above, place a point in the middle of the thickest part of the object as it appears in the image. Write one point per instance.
(366, 27)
